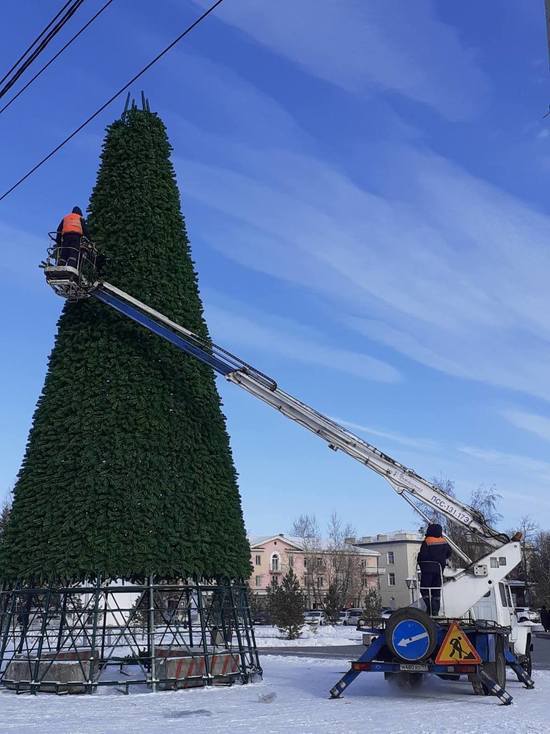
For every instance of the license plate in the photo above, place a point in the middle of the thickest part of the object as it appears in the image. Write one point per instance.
(414, 668)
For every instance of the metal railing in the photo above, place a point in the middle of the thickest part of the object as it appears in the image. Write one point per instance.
(71, 266)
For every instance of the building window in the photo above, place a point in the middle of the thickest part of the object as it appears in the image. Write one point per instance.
(320, 581)
(391, 557)
(258, 580)
(391, 579)
(258, 560)
(275, 562)
(290, 561)
(305, 562)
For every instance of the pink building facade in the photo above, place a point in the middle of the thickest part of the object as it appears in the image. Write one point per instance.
(273, 556)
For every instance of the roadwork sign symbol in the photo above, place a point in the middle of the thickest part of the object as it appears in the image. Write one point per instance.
(457, 649)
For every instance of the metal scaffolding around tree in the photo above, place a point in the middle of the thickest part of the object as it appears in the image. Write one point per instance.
(157, 635)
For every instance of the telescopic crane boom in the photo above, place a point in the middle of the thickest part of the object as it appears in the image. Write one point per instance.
(406, 482)
(417, 491)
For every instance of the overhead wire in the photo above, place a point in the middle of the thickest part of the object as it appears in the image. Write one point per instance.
(111, 99)
(55, 56)
(36, 40)
(41, 46)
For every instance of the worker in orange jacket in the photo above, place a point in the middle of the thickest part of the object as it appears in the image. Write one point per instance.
(69, 233)
(432, 559)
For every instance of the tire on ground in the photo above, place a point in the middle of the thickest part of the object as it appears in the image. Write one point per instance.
(497, 670)
(526, 660)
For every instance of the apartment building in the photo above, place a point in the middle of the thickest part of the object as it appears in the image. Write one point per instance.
(272, 556)
(398, 552)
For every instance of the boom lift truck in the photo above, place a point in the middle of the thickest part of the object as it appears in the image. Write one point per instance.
(478, 634)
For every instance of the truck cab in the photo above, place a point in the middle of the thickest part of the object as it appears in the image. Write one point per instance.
(497, 605)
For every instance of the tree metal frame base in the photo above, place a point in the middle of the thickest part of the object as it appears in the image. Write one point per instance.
(74, 639)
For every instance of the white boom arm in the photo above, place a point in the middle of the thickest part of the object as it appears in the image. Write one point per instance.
(406, 482)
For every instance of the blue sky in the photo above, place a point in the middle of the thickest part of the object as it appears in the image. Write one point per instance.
(365, 187)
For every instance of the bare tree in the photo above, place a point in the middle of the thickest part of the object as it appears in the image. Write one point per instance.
(484, 500)
(447, 486)
(540, 568)
(344, 562)
(529, 531)
(334, 565)
(306, 528)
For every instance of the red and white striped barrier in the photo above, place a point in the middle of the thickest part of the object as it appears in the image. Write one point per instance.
(190, 672)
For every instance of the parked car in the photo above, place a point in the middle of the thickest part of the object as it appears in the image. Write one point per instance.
(262, 617)
(364, 623)
(342, 617)
(315, 617)
(353, 616)
(525, 614)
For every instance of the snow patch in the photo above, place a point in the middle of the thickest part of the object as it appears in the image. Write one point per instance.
(325, 636)
(292, 698)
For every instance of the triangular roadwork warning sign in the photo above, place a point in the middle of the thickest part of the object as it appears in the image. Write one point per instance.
(456, 649)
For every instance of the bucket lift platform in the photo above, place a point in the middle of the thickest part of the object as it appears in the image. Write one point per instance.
(71, 271)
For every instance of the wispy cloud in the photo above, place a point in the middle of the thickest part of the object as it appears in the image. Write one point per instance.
(408, 250)
(422, 444)
(537, 424)
(525, 465)
(521, 480)
(288, 339)
(365, 47)
(442, 267)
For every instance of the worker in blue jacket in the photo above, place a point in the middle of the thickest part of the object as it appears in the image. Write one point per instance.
(432, 559)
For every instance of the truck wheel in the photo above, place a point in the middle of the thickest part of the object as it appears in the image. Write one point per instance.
(527, 662)
(414, 680)
(405, 681)
(496, 670)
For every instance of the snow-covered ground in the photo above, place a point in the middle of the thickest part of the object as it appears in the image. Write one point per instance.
(267, 636)
(292, 699)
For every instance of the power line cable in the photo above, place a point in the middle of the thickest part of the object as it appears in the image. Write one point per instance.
(36, 40)
(42, 45)
(111, 99)
(57, 55)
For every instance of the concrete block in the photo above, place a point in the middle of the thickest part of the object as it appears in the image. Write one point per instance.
(64, 672)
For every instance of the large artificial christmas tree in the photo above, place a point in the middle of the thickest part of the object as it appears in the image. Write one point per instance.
(128, 470)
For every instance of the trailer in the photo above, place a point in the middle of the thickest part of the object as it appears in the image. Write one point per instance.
(411, 644)
(475, 598)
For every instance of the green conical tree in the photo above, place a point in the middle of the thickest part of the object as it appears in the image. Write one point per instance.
(286, 605)
(128, 469)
